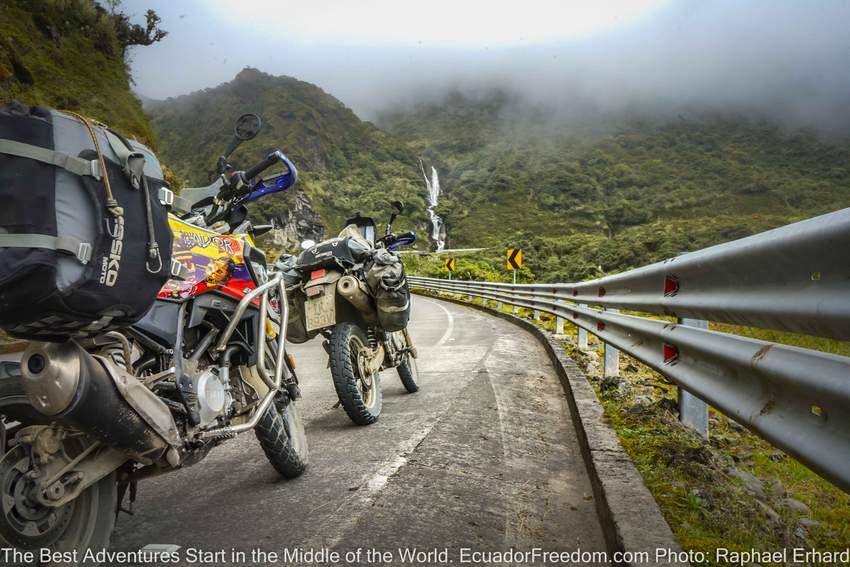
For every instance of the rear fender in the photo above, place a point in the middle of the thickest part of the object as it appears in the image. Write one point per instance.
(330, 277)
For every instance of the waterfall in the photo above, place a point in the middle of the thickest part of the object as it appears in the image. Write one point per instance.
(438, 227)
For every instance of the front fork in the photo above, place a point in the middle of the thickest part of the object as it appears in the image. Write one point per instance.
(396, 348)
(409, 341)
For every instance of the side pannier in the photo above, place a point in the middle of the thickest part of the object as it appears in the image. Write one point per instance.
(388, 284)
(84, 238)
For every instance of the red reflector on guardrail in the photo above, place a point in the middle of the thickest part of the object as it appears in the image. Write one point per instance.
(600, 326)
(671, 286)
(671, 353)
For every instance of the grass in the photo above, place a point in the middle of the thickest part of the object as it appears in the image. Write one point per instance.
(63, 55)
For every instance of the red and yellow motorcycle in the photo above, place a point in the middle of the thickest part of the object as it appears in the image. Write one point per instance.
(84, 420)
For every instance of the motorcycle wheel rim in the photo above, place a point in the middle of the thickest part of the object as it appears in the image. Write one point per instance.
(366, 382)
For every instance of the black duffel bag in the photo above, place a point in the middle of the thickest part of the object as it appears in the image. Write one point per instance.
(85, 244)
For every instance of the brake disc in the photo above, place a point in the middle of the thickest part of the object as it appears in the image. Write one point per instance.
(24, 522)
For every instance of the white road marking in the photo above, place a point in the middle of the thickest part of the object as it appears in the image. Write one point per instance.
(449, 328)
(343, 520)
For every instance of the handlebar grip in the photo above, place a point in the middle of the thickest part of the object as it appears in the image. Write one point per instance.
(262, 166)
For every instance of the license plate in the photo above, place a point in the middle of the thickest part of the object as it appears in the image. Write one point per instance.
(320, 312)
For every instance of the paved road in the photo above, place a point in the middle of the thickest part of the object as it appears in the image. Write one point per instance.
(483, 457)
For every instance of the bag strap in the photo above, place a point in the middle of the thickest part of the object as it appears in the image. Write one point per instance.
(132, 161)
(75, 165)
(67, 244)
(153, 246)
(111, 203)
(181, 203)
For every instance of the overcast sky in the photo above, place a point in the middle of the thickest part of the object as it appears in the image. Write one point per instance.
(786, 58)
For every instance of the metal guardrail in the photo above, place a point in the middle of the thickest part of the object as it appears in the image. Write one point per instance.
(795, 278)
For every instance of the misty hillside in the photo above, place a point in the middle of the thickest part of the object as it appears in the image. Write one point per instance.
(345, 165)
(68, 55)
(594, 194)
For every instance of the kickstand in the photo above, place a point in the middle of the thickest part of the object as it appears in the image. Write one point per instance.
(129, 510)
(336, 405)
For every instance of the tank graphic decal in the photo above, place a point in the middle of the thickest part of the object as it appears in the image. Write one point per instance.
(213, 261)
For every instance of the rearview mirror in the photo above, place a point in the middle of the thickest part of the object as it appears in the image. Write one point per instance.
(307, 244)
(247, 127)
(398, 208)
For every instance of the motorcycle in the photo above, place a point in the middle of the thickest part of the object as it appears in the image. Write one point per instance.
(83, 421)
(351, 289)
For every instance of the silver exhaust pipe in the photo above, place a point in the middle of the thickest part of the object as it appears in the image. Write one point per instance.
(355, 292)
(92, 394)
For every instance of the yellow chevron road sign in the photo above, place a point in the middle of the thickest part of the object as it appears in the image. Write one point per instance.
(514, 258)
(451, 264)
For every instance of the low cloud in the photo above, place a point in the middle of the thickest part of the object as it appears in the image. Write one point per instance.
(785, 60)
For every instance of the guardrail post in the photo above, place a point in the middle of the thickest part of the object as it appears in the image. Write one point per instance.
(582, 335)
(516, 307)
(612, 357)
(693, 412)
(559, 326)
(536, 315)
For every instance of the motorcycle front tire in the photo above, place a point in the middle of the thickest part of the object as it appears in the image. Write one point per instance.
(409, 373)
(281, 436)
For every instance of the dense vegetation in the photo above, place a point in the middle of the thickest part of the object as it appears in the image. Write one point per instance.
(70, 54)
(345, 165)
(596, 195)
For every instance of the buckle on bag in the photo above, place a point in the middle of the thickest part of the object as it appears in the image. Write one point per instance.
(84, 252)
(178, 270)
(95, 169)
(166, 196)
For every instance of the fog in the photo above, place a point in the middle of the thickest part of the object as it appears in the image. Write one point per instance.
(785, 60)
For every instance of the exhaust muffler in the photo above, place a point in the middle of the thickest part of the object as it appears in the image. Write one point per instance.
(95, 396)
(354, 291)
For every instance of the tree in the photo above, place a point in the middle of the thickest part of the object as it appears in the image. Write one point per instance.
(130, 34)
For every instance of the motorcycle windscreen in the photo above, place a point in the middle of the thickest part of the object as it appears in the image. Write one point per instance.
(365, 226)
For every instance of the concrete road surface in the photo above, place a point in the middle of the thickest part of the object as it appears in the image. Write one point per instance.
(482, 458)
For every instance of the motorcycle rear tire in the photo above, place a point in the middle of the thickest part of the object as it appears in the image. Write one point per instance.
(347, 338)
(92, 514)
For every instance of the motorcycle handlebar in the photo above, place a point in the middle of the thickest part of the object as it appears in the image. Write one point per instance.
(262, 166)
(395, 241)
(239, 183)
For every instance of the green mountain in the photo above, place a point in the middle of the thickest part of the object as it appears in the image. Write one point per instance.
(345, 165)
(587, 195)
(69, 55)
